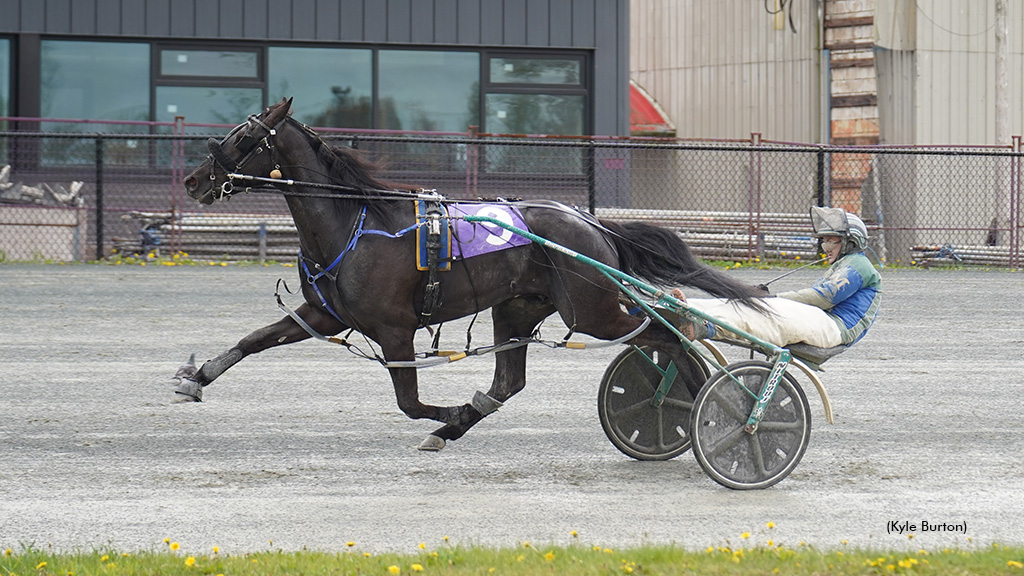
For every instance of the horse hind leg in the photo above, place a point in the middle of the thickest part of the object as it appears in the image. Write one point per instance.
(516, 318)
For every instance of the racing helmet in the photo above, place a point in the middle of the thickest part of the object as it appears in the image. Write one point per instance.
(839, 222)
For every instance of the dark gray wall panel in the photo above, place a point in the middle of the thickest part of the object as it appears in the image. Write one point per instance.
(83, 17)
(303, 18)
(399, 22)
(183, 18)
(158, 18)
(133, 18)
(254, 19)
(33, 16)
(514, 23)
(328, 20)
(375, 21)
(207, 19)
(58, 16)
(351, 20)
(230, 18)
(560, 22)
(446, 21)
(108, 16)
(469, 22)
(421, 22)
(582, 23)
(537, 23)
(491, 28)
(11, 9)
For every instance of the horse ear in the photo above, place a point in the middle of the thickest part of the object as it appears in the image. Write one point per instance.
(287, 104)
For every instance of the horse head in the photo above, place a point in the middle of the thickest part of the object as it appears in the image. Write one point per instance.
(248, 149)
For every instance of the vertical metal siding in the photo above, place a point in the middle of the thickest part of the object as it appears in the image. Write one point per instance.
(721, 70)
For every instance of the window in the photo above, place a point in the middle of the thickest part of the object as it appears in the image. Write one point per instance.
(215, 63)
(94, 80)
(331, 87)
(207, 105)
(535, 95)
(428, 90)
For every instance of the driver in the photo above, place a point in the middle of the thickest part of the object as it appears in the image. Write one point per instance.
(837, 310)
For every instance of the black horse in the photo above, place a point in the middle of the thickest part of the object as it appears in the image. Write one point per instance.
(352, 279)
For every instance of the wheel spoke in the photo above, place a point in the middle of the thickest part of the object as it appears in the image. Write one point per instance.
(727, 441)
(630, 410)
(727, 405)
(758, 456)
(779, 426)
(680, 404)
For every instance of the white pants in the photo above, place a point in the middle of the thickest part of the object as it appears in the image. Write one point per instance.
(790, 321)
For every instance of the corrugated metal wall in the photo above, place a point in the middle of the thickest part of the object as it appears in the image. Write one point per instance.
(726, 68)
(600, 25)
(953, 80)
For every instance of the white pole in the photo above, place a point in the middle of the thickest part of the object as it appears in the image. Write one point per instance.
(1002, 118)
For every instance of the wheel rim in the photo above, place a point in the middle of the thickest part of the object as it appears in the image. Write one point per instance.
(635, 426)
(735, 458)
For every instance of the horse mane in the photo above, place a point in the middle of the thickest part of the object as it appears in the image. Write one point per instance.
(353, 168)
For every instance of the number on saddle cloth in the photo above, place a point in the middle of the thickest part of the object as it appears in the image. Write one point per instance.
(470, 238)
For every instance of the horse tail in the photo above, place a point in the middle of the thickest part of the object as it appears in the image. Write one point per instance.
(660, 256)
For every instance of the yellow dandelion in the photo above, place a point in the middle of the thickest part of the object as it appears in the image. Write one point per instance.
(745, 535)
(167, 540)
(190, 561)
(770, 525)
(416, 568)
(574, 534)
(104, 558)
(771, 543)
(549, 556)
(216, 550)
(526, 544)
(366, 554)
(910, 536)
(175, 546)
(626, 568)
(609, 551)
(8, 552)
(41, 565)
(1014, 564)
(445, 538)
(350, 543)
(394, 569)
(423, 545)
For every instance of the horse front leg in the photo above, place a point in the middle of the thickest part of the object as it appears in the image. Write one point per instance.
(398, 347)
(285, 331)
(516, 318)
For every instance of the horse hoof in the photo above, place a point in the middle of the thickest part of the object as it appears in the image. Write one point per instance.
(188, 391)
(432, 444)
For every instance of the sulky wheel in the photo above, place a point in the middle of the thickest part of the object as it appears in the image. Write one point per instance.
(731, 456)
(631, 421)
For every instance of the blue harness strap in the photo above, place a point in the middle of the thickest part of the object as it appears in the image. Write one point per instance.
(356, 235)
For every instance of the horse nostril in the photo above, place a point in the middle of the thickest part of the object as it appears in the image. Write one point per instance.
(191, 183)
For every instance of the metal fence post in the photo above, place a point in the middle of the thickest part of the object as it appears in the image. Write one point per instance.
(99, 197)
(591, 160)
(1015, 199)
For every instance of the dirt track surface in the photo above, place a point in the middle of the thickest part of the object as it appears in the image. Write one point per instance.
(304, 446)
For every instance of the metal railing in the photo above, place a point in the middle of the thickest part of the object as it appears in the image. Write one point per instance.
(737, 200)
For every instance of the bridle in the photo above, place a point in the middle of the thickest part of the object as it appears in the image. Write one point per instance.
(248, 145)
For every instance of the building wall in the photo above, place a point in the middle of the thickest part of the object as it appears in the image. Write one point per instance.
(951, 45)
(726, 68)
(597, 25)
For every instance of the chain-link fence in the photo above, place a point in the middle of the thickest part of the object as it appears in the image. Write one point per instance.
(84, 196)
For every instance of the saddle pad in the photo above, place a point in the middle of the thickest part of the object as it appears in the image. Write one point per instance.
(477, 238)
(470, 238)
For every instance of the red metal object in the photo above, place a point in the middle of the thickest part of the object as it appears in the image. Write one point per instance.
(646, 117)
